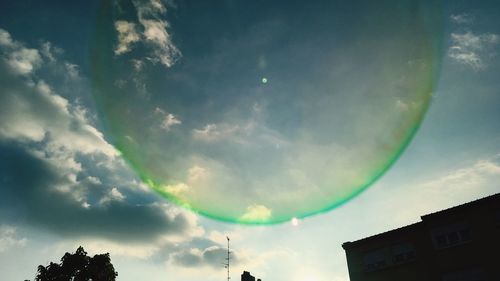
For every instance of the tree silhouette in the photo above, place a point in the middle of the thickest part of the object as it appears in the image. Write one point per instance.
(78, 267)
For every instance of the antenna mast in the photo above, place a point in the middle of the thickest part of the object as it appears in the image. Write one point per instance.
(226, 264)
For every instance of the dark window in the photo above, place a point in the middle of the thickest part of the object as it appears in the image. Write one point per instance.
(374, 260)
(441, 241)
(465, 234)
(403, 252)
(453, 238)
(448, 236)
(472, 274)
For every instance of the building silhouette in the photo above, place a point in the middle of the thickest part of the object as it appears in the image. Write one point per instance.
(461, 243)
(246, 276)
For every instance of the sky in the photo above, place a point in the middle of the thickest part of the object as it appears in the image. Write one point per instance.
(153, 129)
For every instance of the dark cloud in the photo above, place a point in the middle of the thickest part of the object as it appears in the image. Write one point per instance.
(27, 195)
(57, 172)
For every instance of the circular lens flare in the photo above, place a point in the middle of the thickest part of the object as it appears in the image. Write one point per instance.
(176, 89)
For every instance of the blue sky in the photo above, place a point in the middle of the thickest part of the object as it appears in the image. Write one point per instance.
(96, 98)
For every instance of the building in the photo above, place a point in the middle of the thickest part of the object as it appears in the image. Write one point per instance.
(457, 244)
(246, 276)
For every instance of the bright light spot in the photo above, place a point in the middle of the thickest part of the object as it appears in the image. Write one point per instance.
(264, 80)
(295, 221)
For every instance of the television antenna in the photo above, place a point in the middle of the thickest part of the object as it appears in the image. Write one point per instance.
(226, 264)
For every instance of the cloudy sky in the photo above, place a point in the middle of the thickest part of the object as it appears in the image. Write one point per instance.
(152, 129)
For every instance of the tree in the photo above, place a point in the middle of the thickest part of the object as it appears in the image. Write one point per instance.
(78, 267)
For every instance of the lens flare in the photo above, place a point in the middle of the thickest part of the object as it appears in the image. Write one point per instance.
(178, 91)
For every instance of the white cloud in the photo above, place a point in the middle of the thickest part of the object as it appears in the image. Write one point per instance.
(178, 189)
(139, 251)
(24, 60)
(152, 8)
(5, 39)
(127, 35)
(37, 113)
(9, 238)
(72, 70)
(197, 173)
(475, 176)
(49, 51)
(62, 125)
(461, 18)
(113, 195)
(213, 132)
(256, 213)
(472, 49)
(19, 59)
(230, 132)
(167, 119)
(252, 132)
(154, 33)
(137, 64)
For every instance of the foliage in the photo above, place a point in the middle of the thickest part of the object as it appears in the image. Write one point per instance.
(78, 267)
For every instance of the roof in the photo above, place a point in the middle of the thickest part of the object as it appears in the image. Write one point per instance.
(458, 208)
(350, 244)
(464, 206)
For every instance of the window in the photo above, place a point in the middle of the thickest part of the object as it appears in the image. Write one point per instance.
(403, 252)
(473, 274)
(374, 260)
(451, 235)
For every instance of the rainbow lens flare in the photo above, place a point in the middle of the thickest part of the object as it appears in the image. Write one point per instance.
(256, 112)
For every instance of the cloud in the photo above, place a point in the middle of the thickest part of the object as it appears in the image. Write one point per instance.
(9, 238)
(154, 33)
(24, 61)
(197, 173)
(33, 112)
(259, 213)
(95, 246)
(249, 133)
(113, 195)
(20, 60)
(149, 8)
(213, 132)
(178, 189)
(462, 18)
(473, 177)
(49, 51)
(127, 35)
(42, 195)
(465, 183)
(72, 70)
(212, 256)
(472, 49)
(58, 172)
(167, 119)
(5, 39)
